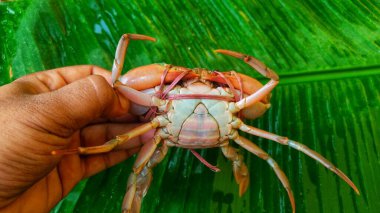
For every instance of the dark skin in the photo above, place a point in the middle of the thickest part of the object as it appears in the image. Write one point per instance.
(53, 110)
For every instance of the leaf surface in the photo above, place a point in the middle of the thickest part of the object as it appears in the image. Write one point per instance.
(326, 53)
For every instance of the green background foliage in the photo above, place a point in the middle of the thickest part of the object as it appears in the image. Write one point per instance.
(326, 53)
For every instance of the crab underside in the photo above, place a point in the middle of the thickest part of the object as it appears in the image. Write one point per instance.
(195, 108)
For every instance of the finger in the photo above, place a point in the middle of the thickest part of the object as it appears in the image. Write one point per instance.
(77, 104)
(73, 168)
(54, 79)
(125, 118)
(94, 164)
(98, 135)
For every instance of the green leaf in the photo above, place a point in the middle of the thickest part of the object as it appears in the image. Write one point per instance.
(326, 53)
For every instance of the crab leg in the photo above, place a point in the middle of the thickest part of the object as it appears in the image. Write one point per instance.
(149, 76)
(300, 147)
(112, 144)
(140, 179)
(240, 169)
(121, 51)
(145, 153)
(253, 62)
(253, 148)
(262, 69)
(138, 97)
(256, 97)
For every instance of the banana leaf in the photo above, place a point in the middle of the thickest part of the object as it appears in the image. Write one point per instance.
(327, 54)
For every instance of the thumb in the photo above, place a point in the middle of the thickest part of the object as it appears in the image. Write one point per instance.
(77, 104)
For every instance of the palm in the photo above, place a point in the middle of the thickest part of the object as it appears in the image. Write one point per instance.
(40, 118)
(48, 191)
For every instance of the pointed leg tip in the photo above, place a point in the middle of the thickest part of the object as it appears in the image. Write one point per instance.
(356, 190)
(353, 186)
(293, 207)
(243, 186)
(148, 38)
(65, 152)
(222, 51)
(347, 180)
(230, 53)
(141, 37)
(216, 169)
(292, 202)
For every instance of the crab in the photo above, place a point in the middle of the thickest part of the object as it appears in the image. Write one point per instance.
(195, 109)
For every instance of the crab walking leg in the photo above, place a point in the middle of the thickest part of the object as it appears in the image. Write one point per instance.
(121, 51)
(240, 169)
(146, 153)
(263, 70)
(253, 148)
(253, 62)
(112, 144)
(139, 97)
(255, 97)
(311, 153)
(139, 180)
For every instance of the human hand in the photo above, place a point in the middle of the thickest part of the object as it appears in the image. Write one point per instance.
(52, 110)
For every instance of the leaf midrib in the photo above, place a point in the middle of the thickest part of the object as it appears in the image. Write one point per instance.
(328, 74)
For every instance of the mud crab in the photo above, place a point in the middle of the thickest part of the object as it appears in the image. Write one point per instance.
(195, 108)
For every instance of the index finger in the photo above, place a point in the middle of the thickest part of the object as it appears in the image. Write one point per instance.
(54, 79)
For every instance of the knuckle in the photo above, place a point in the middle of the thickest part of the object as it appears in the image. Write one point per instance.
(101, 87)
